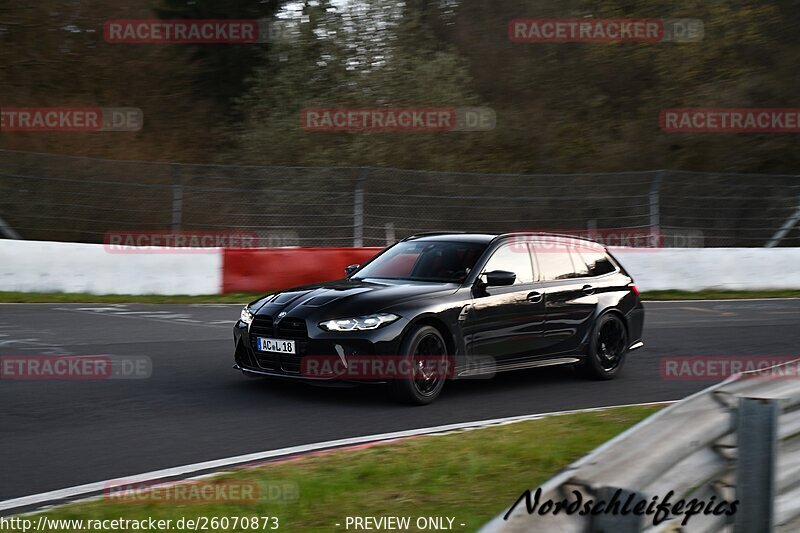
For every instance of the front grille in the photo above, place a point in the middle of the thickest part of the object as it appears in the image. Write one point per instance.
(243, 356)
(292, 328)
(266, 360)
(262, 326)
(288, 328)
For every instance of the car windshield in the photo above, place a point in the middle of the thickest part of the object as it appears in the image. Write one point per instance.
(425, 261)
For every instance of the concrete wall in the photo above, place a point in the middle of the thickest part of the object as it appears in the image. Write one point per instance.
(36, 266)
(694, 269)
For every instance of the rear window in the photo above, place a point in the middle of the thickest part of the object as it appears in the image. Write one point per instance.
(581, 269)
(597, 262)
(561, 261)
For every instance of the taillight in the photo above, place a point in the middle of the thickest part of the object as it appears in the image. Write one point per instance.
(634, 290)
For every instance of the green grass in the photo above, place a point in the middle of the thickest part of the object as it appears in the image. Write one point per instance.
(471, 476)
(243, 298)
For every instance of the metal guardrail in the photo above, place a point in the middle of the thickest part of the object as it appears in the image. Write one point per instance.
(739, 439)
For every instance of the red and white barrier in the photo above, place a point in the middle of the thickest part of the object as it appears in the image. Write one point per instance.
(264, 269)
(38, 266)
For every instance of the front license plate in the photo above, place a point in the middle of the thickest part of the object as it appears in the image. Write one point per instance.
(275, 345)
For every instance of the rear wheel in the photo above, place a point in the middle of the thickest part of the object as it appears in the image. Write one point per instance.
(607, 348)
(426, 351)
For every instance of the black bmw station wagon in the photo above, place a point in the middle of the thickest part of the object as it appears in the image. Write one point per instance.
(445, 306)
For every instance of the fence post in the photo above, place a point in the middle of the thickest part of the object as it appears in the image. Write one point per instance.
(358, 209)
(8, 231)
(177, 197)
(756, 450)
(791, 222)
(655, 209)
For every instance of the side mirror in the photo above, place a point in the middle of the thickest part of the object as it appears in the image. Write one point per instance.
(499, 278)
(350, 269)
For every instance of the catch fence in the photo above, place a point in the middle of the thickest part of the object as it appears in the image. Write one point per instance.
(65, 198)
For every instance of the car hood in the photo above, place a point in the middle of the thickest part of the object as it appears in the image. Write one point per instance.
(345, 298)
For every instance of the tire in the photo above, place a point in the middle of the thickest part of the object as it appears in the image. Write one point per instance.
(423, 340)
(608, 347)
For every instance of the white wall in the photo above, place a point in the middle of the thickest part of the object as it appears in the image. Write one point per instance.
(694, 269)
(37, 266)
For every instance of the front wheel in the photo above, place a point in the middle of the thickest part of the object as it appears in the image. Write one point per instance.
(426, 351)
(607, 348)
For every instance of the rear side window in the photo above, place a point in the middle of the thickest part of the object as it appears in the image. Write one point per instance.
(581, 269)
(554, 262)
(597, 262)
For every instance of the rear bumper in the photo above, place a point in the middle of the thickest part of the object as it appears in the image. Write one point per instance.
(635, 320)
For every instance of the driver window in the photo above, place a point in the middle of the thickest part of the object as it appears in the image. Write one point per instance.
(512, 259)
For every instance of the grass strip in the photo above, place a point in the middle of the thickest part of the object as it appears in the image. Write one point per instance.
(470, 476)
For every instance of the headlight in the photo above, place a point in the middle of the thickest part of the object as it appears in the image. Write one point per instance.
(246, 316)
(359, 323)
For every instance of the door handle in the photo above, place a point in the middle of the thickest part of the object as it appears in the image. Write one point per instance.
(535, 297)
(587, 289)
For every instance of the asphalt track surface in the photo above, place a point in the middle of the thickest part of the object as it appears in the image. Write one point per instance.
(194, 407)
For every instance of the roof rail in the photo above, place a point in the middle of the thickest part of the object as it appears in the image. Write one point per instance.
(506, 235)
(547, 234)
(432, 233)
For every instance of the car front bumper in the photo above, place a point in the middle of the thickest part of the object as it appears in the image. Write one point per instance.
(310, 343)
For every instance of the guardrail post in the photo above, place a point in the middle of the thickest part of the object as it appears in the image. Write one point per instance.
(756, 442)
